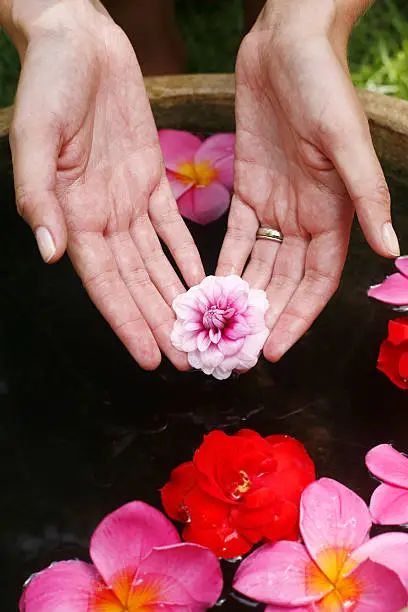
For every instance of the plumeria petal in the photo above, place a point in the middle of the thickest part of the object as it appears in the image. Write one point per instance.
(402, 265)
(332, 517)
(66, 586)
(218, 150)
(126, 536)
(285, 609)
(393, 290)
(378, 589)
(388, 464)
(196, 574)
(280, 574)
(204, 205)
(178, 147)
(178, 186)
(388, 549)
(389, 505)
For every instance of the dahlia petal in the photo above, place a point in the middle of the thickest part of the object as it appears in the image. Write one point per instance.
(379, 589)
(178, 147)
(178, 187)
(203, 341)
(215, 336)
(185, 305)
(221, 373)
(66, 586)
(258, 300)
(230, 347)
(254, 344)
(212, 357)
(401, 264)
(389, 505)
(195, 572)
(388, 464)
(218, 150)
(279, 574)
(194, 359)
(393, 290)
(332, 517)
(204, 205)
(212, 289)
(389, 550)
(127, 535)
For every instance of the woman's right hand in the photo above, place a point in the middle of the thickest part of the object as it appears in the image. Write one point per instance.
(89, 174)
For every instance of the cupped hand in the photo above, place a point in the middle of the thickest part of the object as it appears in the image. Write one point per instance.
(304, 163)
(89, 175)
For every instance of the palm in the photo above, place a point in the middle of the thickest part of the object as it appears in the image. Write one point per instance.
(285, 178)
(111, 186)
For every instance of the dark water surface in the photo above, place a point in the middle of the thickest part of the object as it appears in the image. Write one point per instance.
(84, 430)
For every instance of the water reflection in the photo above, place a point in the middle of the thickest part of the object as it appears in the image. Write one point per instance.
(83, 430)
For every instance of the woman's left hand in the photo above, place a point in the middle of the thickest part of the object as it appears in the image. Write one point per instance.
(304, 162)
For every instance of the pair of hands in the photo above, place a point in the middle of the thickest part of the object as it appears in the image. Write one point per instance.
(90, 178)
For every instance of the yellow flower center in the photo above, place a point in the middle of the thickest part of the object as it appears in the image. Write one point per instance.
(343, 591)
(201, 174)
(126, 596)
(243, 487)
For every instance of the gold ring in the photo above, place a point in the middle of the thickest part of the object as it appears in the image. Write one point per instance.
(270, 234)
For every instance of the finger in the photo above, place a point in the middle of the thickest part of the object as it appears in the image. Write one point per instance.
(259, 269)
(349, 145)
(157, 314)
(96, 265)
(287, 274)
(156, 263)
(171, 228)
(324, 263)
(239, 239)
(35, 149)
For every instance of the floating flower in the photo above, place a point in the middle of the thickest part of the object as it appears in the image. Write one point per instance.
(389, 502)
(394, 289)
(139, 564)
(239, 490)
(200, 173)
(393, 357)
(221, 325)
(337, 568)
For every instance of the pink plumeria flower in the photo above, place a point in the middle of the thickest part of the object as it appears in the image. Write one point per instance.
(139, 564)
(394, 289)
(389, 502)
(337, 568)
(221, 325)
(200, 173)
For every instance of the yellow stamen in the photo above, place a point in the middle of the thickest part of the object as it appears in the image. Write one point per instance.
(201, 174)
(125, 596)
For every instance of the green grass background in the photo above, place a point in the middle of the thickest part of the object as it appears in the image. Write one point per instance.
(212, 31)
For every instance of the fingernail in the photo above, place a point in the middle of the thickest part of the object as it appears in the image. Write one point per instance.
(390, 239)
(45, 243)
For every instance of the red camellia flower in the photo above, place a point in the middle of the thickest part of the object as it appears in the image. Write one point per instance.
(239, 490)
(393, 357)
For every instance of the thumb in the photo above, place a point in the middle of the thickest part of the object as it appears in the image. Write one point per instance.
(35, 149)
(348, 144)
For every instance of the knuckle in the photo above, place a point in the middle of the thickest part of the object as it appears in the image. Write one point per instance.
(138, 278)
(24, 201)
(321, 283)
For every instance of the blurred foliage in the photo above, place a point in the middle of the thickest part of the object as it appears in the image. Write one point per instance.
(213, 29)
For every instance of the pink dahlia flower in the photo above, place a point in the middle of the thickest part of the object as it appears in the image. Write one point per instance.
(338, 567)
(394, 289)
(139, 564)
(200, 173)
(389, 502)
(221, 325)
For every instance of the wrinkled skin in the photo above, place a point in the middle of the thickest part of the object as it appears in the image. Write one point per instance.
(88, 166)
(98, 182)
(304, 163)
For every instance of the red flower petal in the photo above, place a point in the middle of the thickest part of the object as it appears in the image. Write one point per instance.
(182, 480)
(388, 362)
(398, 331)
(204, 511)
(224, 541)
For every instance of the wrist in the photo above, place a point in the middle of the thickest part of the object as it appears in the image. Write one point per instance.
(24, 20)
